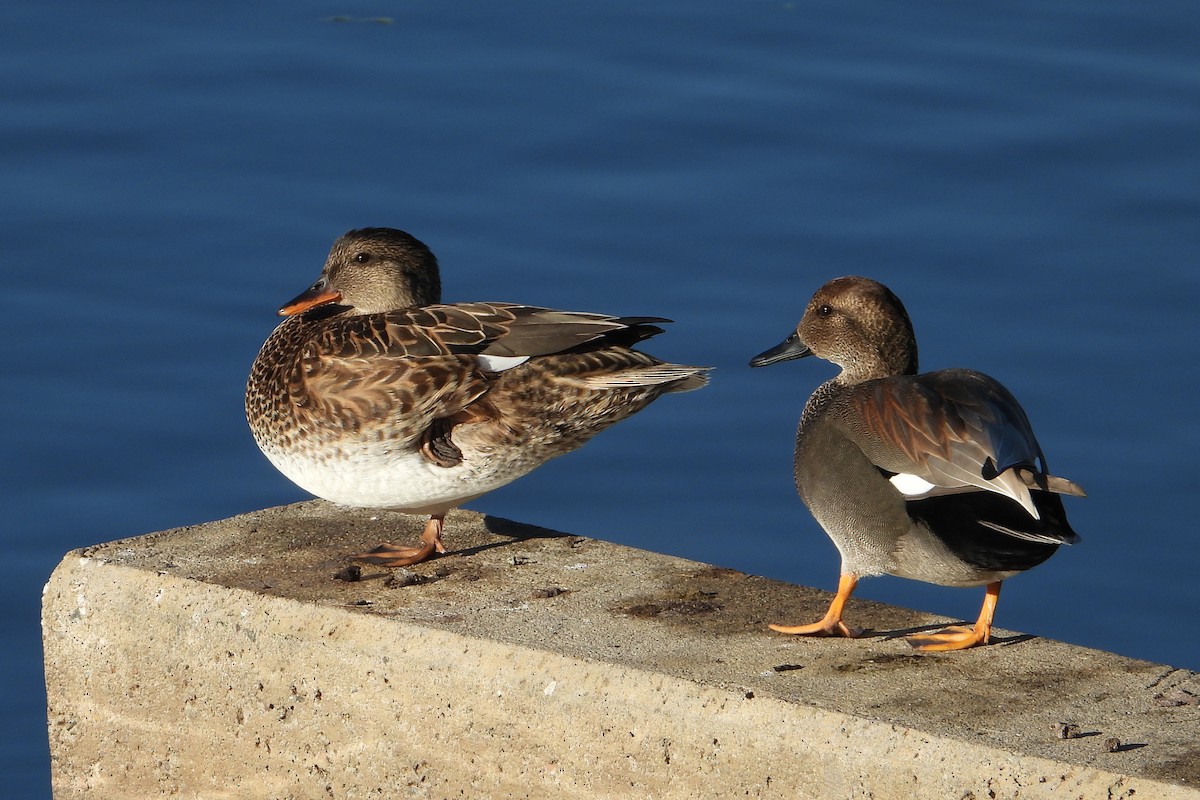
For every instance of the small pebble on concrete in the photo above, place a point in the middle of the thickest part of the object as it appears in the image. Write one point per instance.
(350, 574)
(1066, 730)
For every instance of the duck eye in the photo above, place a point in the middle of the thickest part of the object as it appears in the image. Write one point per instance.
(825, 310)
(362, 257)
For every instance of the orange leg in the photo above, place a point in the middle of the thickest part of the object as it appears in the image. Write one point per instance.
(390, 555)
(831, 624)
(960, 637)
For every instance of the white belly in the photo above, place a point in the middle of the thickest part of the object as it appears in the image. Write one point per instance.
(406, 482)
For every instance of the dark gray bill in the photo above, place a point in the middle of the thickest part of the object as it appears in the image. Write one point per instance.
(789, 348)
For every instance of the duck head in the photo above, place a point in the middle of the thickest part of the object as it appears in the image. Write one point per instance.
(371, 270)
(856, 323)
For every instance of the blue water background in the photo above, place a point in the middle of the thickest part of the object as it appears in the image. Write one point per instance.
(1026, 177)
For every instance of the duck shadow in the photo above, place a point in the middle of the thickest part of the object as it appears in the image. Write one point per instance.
(519, 531)
(513, 532)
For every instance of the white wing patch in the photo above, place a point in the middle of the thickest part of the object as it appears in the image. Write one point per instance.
(499, 363)
(910, 485)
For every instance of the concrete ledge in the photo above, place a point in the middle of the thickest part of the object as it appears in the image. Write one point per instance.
(225, 660)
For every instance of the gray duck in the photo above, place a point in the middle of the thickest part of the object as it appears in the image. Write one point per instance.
(374, 394)
(932, 476)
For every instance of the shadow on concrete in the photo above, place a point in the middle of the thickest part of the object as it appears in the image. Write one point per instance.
(519, 530)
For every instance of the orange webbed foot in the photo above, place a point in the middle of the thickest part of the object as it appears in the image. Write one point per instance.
(954, 637)
(831, 624)
(824, 627)
(390, 555)
(960, 637)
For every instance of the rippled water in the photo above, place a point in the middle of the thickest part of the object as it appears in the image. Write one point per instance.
(1025, 178)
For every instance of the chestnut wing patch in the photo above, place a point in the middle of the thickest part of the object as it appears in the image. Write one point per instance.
(953, 429)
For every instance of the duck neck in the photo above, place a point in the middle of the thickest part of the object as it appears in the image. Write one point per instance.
(893, 357)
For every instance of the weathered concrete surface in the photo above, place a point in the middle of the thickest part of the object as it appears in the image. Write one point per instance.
(225, 660)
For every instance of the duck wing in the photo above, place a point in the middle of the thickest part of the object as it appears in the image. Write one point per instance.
(951, 431)
(413, 366)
